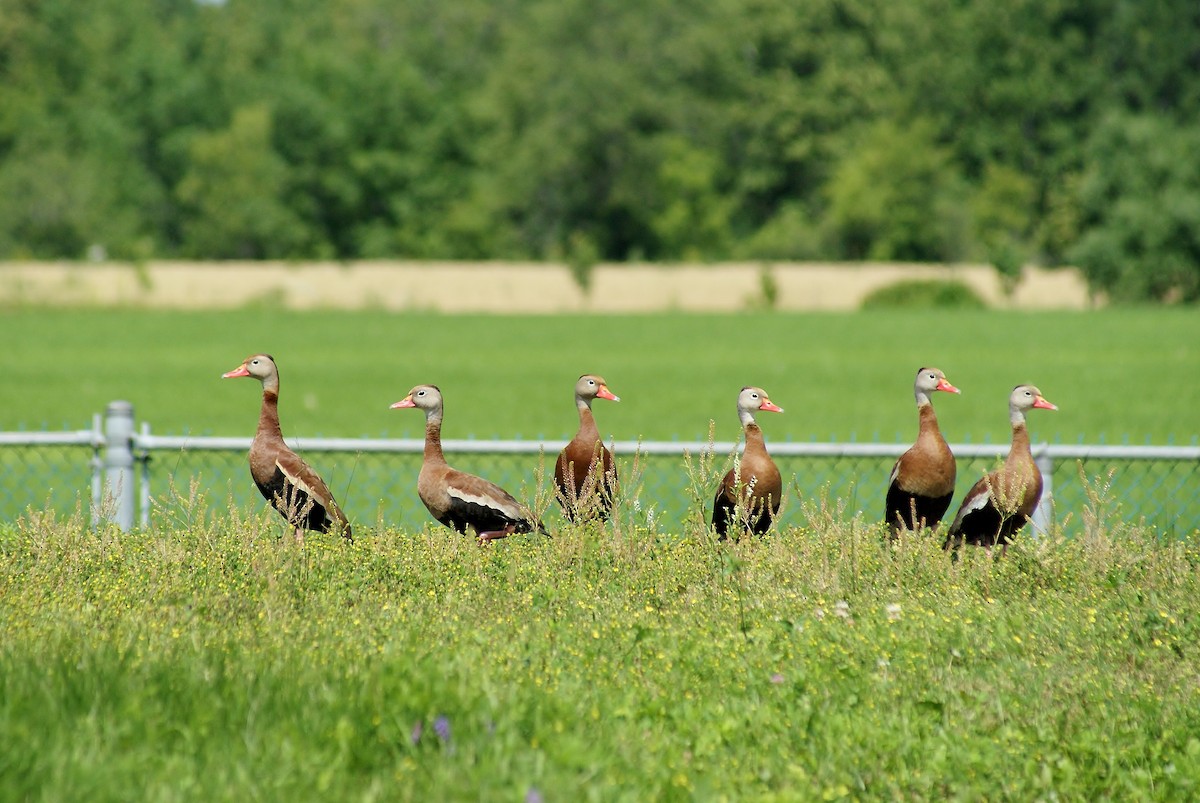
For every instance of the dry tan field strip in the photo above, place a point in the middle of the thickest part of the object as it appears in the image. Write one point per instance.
(508, 287)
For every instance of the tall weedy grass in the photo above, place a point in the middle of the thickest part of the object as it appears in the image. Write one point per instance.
(218, 659)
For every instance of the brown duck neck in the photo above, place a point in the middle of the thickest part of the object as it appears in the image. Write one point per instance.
(929, 429)
(1020, 450)
(588, 431)
(754, 439)
(433, 438)
(268, 416)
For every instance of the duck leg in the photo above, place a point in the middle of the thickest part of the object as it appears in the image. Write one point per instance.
(488, 536)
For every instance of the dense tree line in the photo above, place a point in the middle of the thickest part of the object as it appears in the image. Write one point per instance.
(1023, 130)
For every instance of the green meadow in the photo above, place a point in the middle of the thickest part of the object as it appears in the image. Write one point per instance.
(1115, 374)
(211, 659)
(221, 662)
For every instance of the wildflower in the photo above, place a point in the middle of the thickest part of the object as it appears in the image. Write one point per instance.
(441, 726)
(777, 678)
(533, 795)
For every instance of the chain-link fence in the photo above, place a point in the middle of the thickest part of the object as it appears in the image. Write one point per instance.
(59, 471)
(148, 480)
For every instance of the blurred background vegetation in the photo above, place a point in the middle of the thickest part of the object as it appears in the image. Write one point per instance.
(581, 130)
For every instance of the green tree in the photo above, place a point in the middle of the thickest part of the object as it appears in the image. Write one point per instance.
(802, 77)
(372, 118)
(896, 196)
(1002, 217)
(73, 172)
(579, 130)
(596, 127)
(232, 194)
(689, 217)
(1140, 201)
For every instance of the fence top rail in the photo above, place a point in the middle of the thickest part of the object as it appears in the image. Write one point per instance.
(149, 442)
(82, 437)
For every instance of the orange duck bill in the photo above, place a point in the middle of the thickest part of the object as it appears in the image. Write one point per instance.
(946, 386)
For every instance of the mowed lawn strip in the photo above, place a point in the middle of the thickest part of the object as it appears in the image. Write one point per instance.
(1116, 374)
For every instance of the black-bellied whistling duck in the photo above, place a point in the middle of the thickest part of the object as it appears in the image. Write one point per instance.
(286, 481)
(756, 478)
(1000, 503)
(922, 481)
(455, 498)
(585, 478)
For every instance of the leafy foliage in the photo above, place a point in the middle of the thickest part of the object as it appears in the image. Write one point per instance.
(1140, 199)
(894, 198)
(583, 131)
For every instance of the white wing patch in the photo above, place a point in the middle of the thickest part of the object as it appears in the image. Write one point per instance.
(297, 482)
(972, 503)
(895, 473)
(977, 503)
(506, 506)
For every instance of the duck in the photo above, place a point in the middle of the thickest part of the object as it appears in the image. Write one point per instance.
(283, 478)
(455, 498)
(1001, 503)
(755, 481)
(585, 478)
(922, 481)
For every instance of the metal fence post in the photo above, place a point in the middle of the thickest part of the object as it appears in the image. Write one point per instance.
(97, 466)
(118, 462)
(143, 458)
(1045, 508)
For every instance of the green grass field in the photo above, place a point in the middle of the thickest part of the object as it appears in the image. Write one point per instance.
(1115, 374)
(220, 662)
(209, 659)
